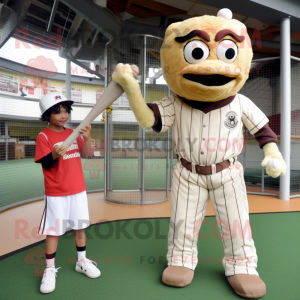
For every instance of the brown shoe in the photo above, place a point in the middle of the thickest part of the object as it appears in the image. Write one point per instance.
(177, 276)
(247, 286)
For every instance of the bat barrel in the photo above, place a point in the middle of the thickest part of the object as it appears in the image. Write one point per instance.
(111, 93)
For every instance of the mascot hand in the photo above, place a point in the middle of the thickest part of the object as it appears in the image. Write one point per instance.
(124, 76)
(273, 161)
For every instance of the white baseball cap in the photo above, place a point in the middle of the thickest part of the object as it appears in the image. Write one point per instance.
(52, 99)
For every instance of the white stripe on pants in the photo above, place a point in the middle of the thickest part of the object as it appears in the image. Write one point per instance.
(189, 197)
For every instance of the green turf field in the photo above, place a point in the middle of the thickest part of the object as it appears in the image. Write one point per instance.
(131, 266)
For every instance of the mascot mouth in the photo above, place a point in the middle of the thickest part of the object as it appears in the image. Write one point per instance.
(209, 80)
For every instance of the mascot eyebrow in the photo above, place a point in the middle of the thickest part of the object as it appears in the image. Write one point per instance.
(222, 33)
(193, 33)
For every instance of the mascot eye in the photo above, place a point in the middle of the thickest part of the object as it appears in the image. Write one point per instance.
(195, 51)
(227, 51)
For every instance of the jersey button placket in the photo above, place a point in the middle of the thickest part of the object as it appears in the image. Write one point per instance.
(203, 150)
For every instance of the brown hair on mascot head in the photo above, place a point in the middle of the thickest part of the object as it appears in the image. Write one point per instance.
(206, 58)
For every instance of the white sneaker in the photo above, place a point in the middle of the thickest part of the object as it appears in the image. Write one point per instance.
(88, 267)
(48, 280)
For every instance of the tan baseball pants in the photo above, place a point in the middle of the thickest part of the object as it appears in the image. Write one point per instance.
(227, 192)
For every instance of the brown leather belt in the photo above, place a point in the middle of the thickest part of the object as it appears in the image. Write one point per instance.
(205, 170)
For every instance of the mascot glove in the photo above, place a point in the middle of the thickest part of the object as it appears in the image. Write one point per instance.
(124, 77)
(271, 151)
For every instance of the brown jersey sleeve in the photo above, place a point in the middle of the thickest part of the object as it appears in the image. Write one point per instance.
(265, 135)
(157, 123)
(164, 112)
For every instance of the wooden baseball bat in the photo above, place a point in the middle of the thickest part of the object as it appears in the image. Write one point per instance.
(111, 94)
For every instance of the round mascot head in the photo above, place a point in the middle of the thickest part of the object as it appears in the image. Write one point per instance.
(206, 58)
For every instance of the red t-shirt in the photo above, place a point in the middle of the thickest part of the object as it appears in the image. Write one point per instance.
(66, 176)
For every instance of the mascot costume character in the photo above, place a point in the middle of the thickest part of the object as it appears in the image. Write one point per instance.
(206, 61)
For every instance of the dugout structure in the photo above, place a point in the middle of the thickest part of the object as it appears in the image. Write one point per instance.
(137, 160)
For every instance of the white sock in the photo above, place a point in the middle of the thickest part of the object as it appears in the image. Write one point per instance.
(81, 253)
(50, 260)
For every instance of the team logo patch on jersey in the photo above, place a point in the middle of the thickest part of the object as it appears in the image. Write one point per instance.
(231, 120)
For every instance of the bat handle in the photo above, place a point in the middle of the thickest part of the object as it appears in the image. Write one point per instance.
(112, 89)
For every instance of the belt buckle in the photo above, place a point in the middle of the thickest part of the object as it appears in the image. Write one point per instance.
(213, 169)
(193, 168)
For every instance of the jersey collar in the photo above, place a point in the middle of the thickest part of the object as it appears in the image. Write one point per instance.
(206, 107)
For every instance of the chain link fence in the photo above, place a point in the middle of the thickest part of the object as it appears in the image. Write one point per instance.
(138, 160)
(263, 88)
(295, 127)
(21, 87)
(138, 163)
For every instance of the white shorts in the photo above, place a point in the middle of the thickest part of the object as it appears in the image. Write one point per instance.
(64, 212)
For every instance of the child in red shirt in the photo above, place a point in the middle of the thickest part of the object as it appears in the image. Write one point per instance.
(65, 191)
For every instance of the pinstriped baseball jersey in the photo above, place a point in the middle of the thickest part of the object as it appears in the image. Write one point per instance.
(212, 137)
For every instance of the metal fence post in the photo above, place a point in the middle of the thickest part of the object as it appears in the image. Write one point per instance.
(285, 104)
(68, 83)
(262, 180)
(105, 129)
(143, 130)
(6, 141)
